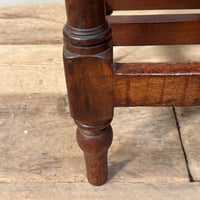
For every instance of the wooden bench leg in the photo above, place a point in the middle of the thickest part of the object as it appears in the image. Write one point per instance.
(88, 58)
(91, 105)
(95, 141)
(89, 83)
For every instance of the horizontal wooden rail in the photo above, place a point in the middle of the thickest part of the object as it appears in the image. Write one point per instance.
(174, 29)
(156, 84)
(151, 4)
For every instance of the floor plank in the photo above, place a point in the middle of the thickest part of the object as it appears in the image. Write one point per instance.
(43, 24)
(189, 121)
(30, 69)
(37, 143)
(39, 158)
(111, 191)
(32, 24)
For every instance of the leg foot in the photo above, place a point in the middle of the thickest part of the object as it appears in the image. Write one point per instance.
(95, 144)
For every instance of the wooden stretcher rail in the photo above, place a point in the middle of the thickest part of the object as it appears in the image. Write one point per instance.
(151, 4)
(156, 84)
(174, 29)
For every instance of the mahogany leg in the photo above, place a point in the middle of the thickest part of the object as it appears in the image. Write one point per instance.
(95, 141)
(91, 106)
(88, 58)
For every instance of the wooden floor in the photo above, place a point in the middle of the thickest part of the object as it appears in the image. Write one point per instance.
(155, 155)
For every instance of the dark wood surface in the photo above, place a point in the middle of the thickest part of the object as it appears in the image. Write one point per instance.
(151, 4)
(157, 84)
(88, 56)
(96, 85)
(155, 29)
(132, 158)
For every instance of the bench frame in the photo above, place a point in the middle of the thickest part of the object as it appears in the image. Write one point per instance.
(96, 84)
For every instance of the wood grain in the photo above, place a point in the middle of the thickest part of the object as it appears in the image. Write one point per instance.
(31, 69)
(113, 191)
(153, 4)
(14, 123)
(33, 147)
(157, 54)
(38, 143)
(39, 68)
(46, 23)
(87, 56)
(32, 24)
(156, 84)
(188, 118)
(155, 29)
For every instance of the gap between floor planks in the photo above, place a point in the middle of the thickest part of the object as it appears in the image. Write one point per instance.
(37, 143)
(46, 26)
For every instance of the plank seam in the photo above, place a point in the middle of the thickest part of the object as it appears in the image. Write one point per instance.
(191, 179)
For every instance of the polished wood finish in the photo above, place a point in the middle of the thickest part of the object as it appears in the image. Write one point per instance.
(88, 56)
(155, 29)
(151, 4)
(157, 84)
(96, 84)
(95, 143)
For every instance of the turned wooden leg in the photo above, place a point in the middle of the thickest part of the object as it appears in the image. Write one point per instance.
(88, 59)
(95, 141)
